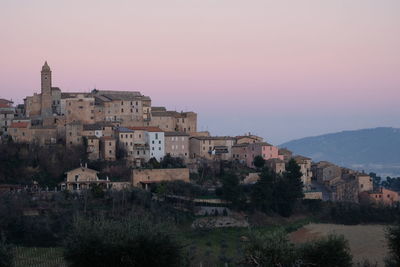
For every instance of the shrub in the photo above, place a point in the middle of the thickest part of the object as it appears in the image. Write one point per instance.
(272, 249)
(6, 254)
(129, 242)
(332, 251)
(393, 237)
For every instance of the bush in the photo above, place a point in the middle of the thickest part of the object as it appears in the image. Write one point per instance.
(332, 251)
(393, 237)
(6, 254)
(129, 242)
(272, 249)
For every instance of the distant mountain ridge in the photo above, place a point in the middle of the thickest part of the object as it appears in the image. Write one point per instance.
(376, 149)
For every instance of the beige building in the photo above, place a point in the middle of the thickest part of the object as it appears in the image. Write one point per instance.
(239, 152)
(350, 185)
(325, 171)
(211, 147)
(83, 178)
(133, 142)
(248, 139)
(177, 144)
(276, 165)
(171, 121)
(7, 114)
(47, 103)
(285, 154)
(305, 168)
(73, 133)
(93, 147)
(79, 109)
(108, 148)
(24, 132)
(144, 177)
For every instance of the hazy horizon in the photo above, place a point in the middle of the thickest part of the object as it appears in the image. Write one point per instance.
(280, 69)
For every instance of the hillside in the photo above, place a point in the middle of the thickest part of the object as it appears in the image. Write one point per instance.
(376, 150)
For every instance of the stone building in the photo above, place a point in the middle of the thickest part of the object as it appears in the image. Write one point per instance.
(46, 104)
(144, 177)
(276, 165)
(239, 152)
(305, 168)
(384, 196)
(108, 148)
(93, 147)
(170, 121)
(7, 113)
(155, 139)
(263, 149)
(325, 171)
(133, 143)
(79, 109)
(211, 147)
(177, 144)
(83, 178)
(248, 139)
(285, 154)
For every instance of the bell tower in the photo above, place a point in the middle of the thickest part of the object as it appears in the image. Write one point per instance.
(46, 109)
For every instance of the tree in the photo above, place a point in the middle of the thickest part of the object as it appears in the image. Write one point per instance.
(289, 189)
(259, 162)
(262, 193)
(231, 189)
(172, 162)
(153, 163)
(393, 237)
(129, 242)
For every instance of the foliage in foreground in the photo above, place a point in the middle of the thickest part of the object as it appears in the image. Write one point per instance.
(6, 255)
(127, 242)
(274, 249)
(393, 237)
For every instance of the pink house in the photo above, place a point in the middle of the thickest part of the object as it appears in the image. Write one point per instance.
(265, 150)
(385, 196)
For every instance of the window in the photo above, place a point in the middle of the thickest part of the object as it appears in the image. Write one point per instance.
(122, 136)
(126, 136)
(159, 148)
(131, 144)
(110, 152)
(156, 135)
(131, 136)
(122, 110)
(159, 142)
(131, 110)
(109, 143)
(152, 149)
(137, 103)
(137, 110)
(122, 102)
(140, 136)
(137, 152)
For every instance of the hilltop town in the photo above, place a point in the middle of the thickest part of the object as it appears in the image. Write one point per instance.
(123, 125)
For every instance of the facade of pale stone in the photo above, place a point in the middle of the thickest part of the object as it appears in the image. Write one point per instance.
(143, 177)
(177, 144)
(211, 147)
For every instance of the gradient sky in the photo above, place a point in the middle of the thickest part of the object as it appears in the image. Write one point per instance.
(281, 69)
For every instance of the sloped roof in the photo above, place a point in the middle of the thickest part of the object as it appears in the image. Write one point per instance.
(146, 128)
(19, 125)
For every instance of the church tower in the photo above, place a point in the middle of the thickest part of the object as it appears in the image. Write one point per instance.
(46, 109)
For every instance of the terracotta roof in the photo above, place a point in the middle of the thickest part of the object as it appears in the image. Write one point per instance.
(147, 129)
(4, 105)
(19, 125)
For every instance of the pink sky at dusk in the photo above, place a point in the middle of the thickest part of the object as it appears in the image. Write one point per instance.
(282, 69)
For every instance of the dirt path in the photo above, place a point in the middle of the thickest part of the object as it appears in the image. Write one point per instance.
(366, 241)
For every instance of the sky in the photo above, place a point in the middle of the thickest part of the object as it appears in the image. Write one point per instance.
(280, 69)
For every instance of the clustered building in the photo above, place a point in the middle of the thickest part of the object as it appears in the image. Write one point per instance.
(124, 123)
